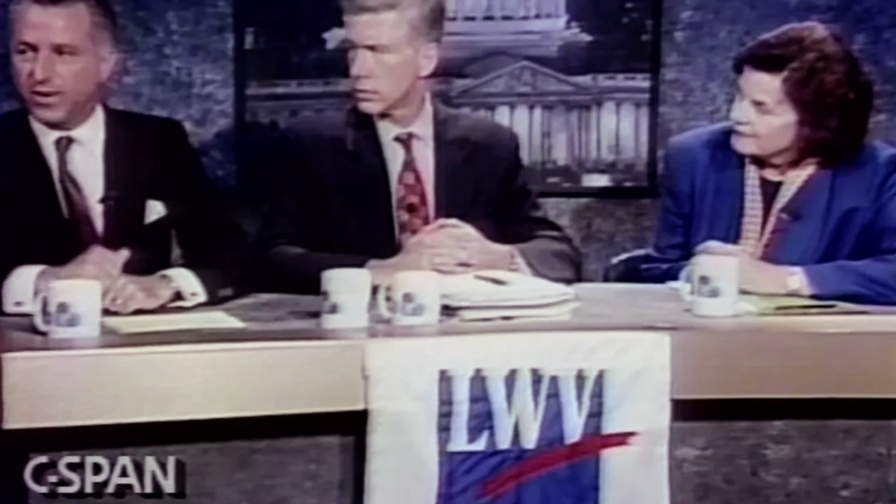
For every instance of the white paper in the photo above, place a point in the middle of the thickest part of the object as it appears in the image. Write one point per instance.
(501, 289)
(134, 324)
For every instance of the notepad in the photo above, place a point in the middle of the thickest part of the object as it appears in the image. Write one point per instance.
(790, 305)
(135, 324)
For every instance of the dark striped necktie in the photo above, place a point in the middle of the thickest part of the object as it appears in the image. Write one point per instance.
(73, 195)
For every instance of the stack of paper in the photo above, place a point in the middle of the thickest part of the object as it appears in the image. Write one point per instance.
(488, 295)
(136, 324)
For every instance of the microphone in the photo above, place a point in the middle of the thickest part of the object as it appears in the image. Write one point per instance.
(110, 198)
(791, 215)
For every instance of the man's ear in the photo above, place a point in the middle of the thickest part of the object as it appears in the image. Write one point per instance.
(109, 59)
(429, 59)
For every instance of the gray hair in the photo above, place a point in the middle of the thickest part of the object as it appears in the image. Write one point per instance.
(101, 12)
(427, 16)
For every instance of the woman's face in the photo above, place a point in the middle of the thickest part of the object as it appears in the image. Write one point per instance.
(766, 124)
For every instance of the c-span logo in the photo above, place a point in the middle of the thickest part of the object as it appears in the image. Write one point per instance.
(526, 436)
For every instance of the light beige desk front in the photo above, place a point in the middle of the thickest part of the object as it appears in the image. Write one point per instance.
(276, 368)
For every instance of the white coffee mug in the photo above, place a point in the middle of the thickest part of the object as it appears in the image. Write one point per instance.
(70, 309)
(713, 286)
(415, 299)
(346, 293)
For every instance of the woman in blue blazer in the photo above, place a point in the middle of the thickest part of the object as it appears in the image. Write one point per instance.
(790, 179)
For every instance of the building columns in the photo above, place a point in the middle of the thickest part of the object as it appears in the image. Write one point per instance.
(536, 140)
(609, 123)
(643, 132)
(594, 136)
(628, 131)
(503, 115)
(521, 125)
(530, 9)
(575, 134)
(559, 136)
(586, 135)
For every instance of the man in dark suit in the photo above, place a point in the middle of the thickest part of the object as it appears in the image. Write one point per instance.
(402, 182)
(87, 191)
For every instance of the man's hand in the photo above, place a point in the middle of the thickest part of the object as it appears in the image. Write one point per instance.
(446, 246)
(453, 246)
(129, 294)
(382, 270)
(95, 263)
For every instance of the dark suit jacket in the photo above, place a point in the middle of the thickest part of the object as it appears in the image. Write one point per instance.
(146, 158)
(841, 226)
(329, 200)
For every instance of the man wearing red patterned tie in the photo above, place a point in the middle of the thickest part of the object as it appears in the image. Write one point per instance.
(405, 182)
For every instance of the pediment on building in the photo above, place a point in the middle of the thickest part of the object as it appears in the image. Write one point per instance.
(523, 77)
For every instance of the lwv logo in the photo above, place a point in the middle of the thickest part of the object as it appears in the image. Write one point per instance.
(505, 434)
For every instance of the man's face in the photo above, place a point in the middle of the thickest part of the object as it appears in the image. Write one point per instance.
(766, 125)
(386, 61)
(60, 62)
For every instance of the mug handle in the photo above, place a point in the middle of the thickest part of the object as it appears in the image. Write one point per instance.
(685, 284)
(382, 305)
(38, 316)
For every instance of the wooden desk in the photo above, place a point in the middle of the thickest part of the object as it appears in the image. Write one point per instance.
(282, 364)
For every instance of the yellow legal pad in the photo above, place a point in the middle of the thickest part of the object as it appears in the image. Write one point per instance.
(791, 305)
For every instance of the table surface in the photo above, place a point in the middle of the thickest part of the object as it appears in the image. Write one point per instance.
(282, 363)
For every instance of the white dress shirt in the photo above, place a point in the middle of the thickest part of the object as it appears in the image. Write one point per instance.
(424, 149)
(423, 146)
(87, 165)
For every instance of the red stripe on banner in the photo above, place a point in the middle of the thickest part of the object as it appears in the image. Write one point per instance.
(548, 461)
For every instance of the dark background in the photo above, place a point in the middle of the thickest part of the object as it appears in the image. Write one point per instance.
(180, 63)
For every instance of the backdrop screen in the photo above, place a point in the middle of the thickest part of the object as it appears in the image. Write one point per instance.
(575, 79)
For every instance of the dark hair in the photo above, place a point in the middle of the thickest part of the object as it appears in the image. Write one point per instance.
(101, 11)
(427, 16)
(825, 81)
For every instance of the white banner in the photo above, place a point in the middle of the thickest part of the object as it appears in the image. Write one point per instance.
(525, 418)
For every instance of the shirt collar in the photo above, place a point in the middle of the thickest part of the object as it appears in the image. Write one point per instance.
(90, 131)
(422, 127)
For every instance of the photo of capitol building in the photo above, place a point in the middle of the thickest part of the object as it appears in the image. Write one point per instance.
(526, 64)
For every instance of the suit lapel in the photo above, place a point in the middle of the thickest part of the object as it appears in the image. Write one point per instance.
(35, 169)
(725, 204)
(123, 202)
(370, 192)
(453, 183)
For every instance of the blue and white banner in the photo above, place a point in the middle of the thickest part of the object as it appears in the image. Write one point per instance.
(526, 418)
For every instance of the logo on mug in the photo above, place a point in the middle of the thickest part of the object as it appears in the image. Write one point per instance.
(330, 307)
(62, 316)
(706, 288)
(410, 307)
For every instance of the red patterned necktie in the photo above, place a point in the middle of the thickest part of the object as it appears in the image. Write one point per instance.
(411, 206)
(75, 201)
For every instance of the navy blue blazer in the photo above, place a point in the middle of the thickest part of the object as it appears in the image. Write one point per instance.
(840, 227)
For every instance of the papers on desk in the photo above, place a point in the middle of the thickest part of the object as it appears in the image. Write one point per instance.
(792, 305)
(765, 305)
(488, 295)
(135, 324)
